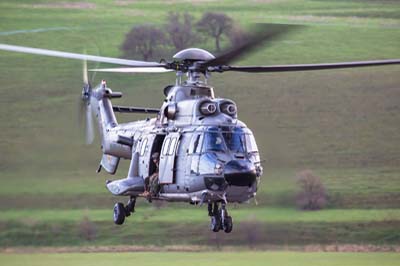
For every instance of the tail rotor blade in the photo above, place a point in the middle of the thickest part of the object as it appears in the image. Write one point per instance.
(85, 113)
(89, 125)
(85, 73)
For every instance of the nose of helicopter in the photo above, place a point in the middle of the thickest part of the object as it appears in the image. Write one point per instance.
(240, 173)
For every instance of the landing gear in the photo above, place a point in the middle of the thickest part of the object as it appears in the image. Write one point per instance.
(220, 220)
(130, 207)
(121, 211)
(228, 224)
(215, 224)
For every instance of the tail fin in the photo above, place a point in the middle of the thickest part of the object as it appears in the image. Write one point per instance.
(97, 101)
(102, 108)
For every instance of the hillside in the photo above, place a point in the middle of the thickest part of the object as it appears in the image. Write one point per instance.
(343, 124)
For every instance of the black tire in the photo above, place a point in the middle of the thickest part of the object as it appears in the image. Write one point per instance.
(119, 213)
(228, 224)
(215, 224)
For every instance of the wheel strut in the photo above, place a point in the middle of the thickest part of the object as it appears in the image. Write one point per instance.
(210, 209)
(130, 207)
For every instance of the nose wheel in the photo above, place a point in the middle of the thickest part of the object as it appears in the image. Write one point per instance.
(220, 220)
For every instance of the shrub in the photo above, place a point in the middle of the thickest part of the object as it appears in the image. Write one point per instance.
(87, 229)
(312, 194)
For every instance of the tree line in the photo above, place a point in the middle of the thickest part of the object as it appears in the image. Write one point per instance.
(180, 31)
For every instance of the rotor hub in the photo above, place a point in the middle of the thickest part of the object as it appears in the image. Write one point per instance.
(193, 54)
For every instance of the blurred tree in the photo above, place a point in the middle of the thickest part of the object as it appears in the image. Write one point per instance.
(144, 40)
(180, 30)
(215, 25)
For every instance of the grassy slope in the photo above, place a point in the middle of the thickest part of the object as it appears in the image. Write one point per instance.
(334, 118)
(166, 226)
(274, 215)
(344, 123)
(221, 258)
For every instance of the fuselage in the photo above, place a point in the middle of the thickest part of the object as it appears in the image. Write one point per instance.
(206, 153)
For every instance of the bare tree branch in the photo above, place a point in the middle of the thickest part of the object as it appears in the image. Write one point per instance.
(144, 40)
(215, 25)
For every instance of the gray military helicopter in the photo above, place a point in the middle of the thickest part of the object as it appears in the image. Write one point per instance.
(206, 154)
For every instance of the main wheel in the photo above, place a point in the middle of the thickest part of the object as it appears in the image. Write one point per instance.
(215, 223)
(119, 213)
(228, 224)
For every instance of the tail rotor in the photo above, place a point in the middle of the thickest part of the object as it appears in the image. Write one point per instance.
(85, 106)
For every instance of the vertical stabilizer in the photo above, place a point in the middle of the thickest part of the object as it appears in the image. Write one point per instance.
(101, 106)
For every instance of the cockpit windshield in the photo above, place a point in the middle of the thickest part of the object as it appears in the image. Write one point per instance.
(213, 140)
(235, 140)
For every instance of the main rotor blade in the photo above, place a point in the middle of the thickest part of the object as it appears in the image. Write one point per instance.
(303, 67)
(262, 33)
(110, 60)
(133, 70)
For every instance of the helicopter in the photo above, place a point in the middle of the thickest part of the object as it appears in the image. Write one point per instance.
(204, 153)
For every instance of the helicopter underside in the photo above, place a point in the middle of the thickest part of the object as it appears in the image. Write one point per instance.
(233, 194)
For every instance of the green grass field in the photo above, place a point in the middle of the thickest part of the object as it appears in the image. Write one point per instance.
(170, 214)
(218, 259)
(342, 124)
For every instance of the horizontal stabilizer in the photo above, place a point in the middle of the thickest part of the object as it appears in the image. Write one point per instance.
(109, 163)
(128, 109)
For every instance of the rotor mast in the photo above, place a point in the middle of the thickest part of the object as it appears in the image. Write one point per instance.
(192, 60)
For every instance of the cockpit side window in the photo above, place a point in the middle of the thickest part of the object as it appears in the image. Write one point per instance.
(196, 146)
(251, 145)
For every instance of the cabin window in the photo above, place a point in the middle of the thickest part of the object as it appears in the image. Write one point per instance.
(143, 147)
(166, 146)
(172, 146)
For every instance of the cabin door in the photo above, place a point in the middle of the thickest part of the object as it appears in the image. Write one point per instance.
(167, 158)
(145, 144)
